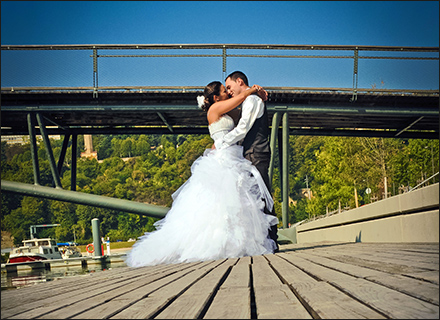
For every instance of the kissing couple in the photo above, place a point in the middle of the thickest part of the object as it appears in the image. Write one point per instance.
(225, 209)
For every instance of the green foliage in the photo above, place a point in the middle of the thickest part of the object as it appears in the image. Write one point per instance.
(336, 166)
(158, 165)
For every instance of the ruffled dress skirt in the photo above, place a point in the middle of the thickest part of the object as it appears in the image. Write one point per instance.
(217, 213)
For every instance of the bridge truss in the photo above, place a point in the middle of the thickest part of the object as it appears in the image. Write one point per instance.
(73, 111)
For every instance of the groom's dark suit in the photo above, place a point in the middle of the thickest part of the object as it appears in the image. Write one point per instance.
(256, 149)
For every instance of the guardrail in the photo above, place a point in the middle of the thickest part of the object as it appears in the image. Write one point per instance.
(423, 182)
(18, 70)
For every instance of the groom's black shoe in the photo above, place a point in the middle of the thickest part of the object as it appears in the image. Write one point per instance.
(273, 234)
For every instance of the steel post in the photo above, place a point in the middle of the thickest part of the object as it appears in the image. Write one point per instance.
(285, 175)
(50, 157)
(74, 162)
(280, 162)
(224, 63)
(355, 74)
(34, 150)
(63, 153)
(96, 237)
(273, 140)
(95, 73)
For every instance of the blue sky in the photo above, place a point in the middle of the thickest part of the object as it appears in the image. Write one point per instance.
(378, 23)
(400, 23)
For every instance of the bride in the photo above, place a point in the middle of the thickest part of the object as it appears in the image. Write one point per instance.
(219, 211)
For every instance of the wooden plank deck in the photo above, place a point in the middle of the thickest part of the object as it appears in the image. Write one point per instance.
(302, 281)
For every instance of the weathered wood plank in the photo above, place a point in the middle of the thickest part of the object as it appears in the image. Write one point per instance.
(239, 275)
(393, 259)
(273, 299)
(319, 280)
(150, 305)
(102, 297)
(263, 275)
(380, 254)
(232, 301)
(320, 298)
(192, 302)
(429, 276)
(428, 261)
(131, 304)
(73, 299)
(68, 285)
(419, 289)
(389, 302)
(385, 266)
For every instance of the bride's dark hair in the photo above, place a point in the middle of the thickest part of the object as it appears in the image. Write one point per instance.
(211, 90)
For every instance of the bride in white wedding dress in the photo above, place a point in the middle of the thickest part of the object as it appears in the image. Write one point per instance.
(218, 212)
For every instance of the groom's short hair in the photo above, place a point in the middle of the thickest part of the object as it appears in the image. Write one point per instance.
(238, 74)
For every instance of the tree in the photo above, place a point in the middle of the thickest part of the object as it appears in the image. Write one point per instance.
(142, 146)
(333, 165)
(380, 153)
(103, 146)
(127, 147)
(64, 213)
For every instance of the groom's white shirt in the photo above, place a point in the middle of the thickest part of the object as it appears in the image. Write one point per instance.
(252, 108)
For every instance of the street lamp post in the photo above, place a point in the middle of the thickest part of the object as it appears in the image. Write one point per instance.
(307, 186)
(432, 161)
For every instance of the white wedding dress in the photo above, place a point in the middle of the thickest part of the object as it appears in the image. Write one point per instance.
(217, 213)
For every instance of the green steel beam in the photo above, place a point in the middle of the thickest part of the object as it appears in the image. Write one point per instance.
(401, 110)
(74, 162)
(165, 121)
(84, 199)
(273, 140)
(49, 152)
(33, 144)
(285, 174)
(63, 153)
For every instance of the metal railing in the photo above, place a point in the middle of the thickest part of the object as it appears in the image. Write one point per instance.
(423, 182)
(292, 75)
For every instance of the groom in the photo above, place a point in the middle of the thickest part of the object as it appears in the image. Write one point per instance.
(253, 127)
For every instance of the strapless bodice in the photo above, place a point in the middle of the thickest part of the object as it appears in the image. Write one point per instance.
(221, 127)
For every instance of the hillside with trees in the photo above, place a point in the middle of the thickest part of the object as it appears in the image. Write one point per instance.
(148, 169)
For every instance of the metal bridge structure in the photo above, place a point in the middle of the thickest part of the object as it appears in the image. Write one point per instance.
(80, 109)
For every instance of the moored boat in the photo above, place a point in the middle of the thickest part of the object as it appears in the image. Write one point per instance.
(35, 250)
(68, 251)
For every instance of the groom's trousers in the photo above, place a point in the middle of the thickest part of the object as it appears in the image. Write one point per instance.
(261, 162)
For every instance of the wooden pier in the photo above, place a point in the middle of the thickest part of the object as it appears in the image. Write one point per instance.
(304, 281)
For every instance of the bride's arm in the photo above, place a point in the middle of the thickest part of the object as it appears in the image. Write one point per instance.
(221, 107)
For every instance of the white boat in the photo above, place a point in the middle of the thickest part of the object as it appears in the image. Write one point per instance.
(35, 249)
(70, 252)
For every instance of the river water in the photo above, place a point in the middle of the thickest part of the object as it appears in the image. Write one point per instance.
(26, 277)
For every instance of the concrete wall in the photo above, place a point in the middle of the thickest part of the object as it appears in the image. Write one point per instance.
(409, 217)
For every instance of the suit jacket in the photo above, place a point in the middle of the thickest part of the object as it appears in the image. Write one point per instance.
(257, 139)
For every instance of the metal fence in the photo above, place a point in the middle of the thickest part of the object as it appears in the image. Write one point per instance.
(186, 65)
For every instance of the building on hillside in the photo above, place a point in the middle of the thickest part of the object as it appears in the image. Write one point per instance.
(88, 146)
